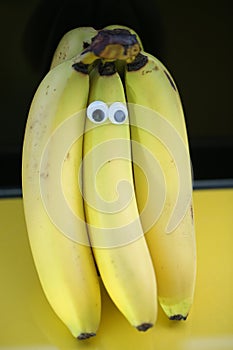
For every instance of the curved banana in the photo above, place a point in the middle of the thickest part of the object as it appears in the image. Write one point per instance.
(53, 206)
(115, 231)
(163, 180)
(72, 43)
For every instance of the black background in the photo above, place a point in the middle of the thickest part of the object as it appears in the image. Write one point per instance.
(192, 38)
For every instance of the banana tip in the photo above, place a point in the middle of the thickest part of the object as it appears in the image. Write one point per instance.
(83, 336)
(178, 317)
(144, 326)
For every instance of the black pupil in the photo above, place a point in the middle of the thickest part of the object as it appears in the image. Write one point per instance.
(98, 115)
(119, 116)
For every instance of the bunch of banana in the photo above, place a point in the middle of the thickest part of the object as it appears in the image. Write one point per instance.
(106, 179)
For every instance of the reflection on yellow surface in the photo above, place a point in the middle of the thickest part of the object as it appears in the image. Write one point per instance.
(28, 322)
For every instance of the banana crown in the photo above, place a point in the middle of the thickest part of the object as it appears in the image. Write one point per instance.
(111, 44)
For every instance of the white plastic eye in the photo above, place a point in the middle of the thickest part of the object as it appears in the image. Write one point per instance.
(118, 113)
(97, 112)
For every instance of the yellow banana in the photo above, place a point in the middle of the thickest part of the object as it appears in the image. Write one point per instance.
(115, 231)
(53, 206)
(163, 180)
(72, 43)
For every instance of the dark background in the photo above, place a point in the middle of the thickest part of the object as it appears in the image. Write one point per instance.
(194, 39)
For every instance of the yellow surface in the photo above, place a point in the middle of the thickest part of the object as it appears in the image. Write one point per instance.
(28, 322)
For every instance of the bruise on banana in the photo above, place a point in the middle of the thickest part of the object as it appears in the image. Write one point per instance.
(111, 45)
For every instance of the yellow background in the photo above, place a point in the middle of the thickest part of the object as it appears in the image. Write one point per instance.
(28, 322)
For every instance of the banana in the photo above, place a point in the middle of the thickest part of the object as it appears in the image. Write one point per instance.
(72, 43)
(163, 180)
(115, 231)
(53, 205)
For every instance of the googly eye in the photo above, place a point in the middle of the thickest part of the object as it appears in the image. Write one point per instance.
(118, 113)
(97, 112)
